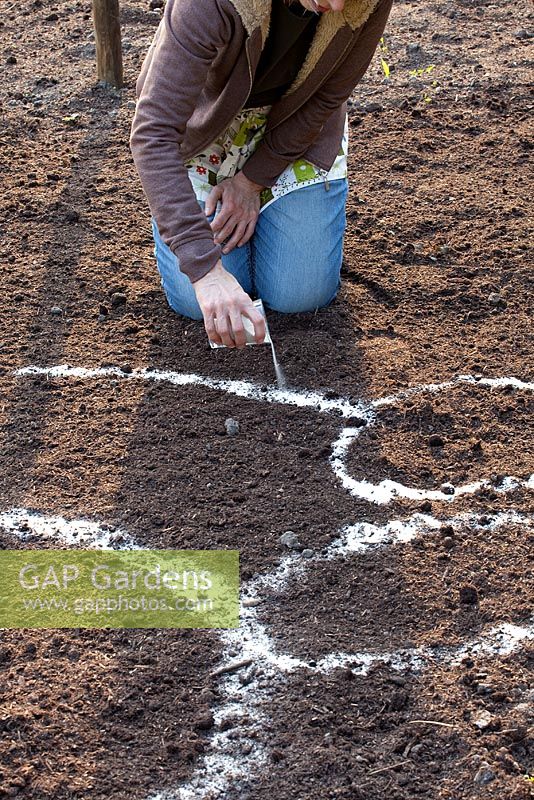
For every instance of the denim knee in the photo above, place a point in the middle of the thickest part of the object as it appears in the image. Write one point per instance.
(296, 299)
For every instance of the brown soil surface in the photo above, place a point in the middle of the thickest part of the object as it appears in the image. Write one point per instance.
(459, 437)
(437, 283)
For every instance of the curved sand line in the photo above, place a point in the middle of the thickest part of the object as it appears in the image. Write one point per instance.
(244, 389)
(387, 490)
(381, 493)
(232, 763)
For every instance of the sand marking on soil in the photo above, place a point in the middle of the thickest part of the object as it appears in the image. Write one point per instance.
(474, 380)
(384, 492)
(230, 762)
(244, 389)
(381, 493)
(25, 524)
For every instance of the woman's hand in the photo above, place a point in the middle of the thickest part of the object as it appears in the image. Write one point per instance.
(240, 208)
(223, 302)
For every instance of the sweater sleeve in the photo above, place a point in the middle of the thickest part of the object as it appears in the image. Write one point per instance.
(289, 140)
(172, 78)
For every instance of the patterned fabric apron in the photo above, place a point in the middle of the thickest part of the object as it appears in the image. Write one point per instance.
(227, 155)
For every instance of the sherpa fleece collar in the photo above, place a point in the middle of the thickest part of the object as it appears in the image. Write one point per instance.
(257, 14)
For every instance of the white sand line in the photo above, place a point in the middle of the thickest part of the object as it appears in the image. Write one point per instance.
(23, 524)
(359, 538)
(498, 641)
(251, 640)
(387, 490)
(362, 536)
(222, 767)
(495, 383)
(245, 389)
(226, 766)
(270, 394)
(229, 767)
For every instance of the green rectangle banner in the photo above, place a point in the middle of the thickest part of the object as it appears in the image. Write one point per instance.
(119, 589)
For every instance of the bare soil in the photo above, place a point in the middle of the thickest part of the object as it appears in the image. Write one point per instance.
(437, 283)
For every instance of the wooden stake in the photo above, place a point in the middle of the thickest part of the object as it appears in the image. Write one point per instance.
(108, 42)
(246, 662)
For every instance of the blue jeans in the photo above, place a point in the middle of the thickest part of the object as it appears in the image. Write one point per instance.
(292, 261)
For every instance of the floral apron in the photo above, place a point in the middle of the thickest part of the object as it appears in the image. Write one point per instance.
(229, 152)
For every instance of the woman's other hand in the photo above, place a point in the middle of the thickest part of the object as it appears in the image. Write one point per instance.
(240, 208)
(223, 303)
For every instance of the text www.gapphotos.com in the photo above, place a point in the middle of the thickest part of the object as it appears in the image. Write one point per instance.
(122, 603)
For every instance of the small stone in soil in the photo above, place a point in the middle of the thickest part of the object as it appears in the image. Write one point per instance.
(307, 553)
(468, 595)
(231, 426)
(249, 602)
(204, 722)
(290, 539)
(483, 721)
(56, 311)
(413, 49)
(435, 441)
(447, 488)
(118, 299)
(485, 774)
